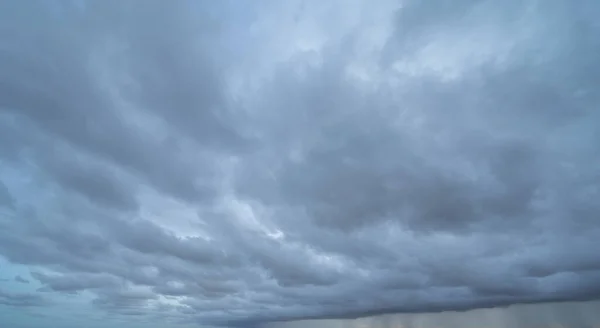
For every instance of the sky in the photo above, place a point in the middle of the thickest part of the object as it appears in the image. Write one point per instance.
(286, 164)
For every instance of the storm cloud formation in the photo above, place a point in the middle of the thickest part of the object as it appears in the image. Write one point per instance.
(243, 163)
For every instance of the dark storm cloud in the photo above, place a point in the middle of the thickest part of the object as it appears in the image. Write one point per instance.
(79, 107)
(178, 163)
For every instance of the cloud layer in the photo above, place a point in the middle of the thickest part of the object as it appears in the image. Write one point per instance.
(236, 164)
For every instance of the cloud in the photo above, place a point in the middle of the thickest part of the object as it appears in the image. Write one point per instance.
(21, 299)
(6, 200)
(73, 283)
(21, 280)
(571, 314)
(225, 164)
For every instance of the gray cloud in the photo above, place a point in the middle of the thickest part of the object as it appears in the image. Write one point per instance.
(193, 163)
(94, 181)
(21, 279)
(6, 199)
(21, 299)
(76, 282)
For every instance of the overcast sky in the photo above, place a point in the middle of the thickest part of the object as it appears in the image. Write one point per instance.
(262, 163)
